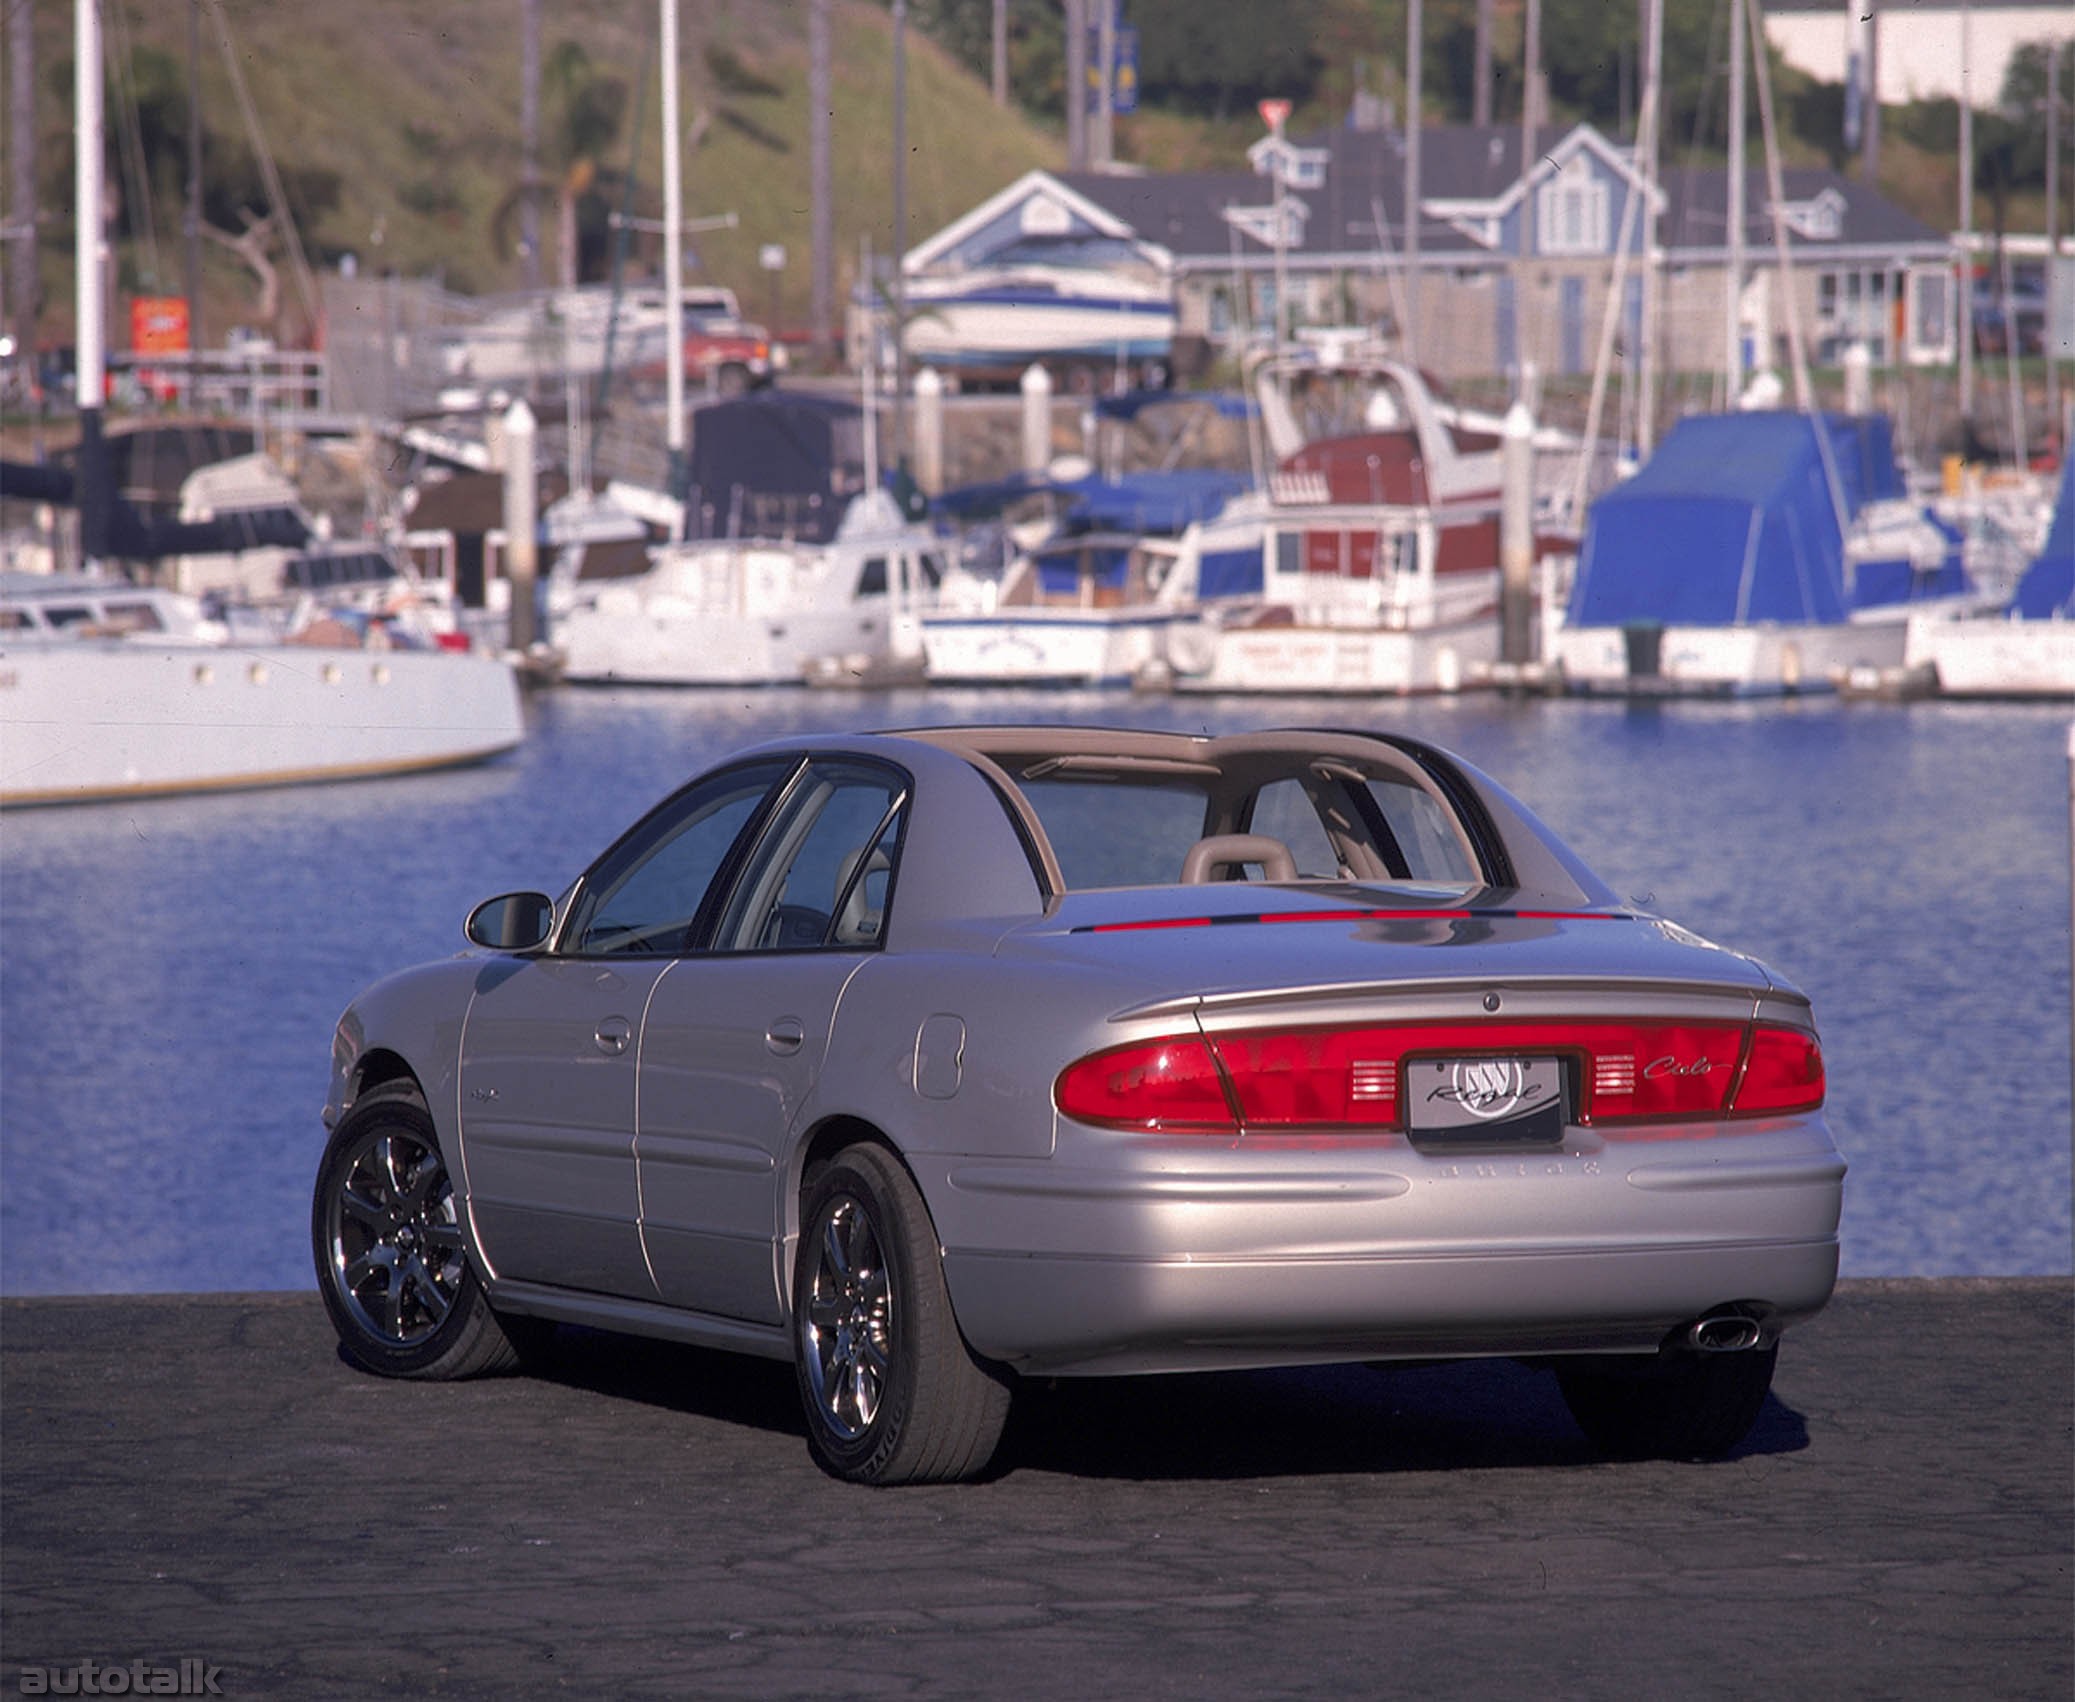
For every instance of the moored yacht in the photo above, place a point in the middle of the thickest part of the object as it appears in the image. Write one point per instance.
(109, 690)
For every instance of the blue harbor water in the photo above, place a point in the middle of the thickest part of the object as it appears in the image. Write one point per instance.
(170, 971)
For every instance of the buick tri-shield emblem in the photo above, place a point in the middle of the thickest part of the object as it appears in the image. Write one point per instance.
(1488, 1088)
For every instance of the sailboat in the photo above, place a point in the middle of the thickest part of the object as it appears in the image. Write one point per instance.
(2024, 650)
(1763, 551)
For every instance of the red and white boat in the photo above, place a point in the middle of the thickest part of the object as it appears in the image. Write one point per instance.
(1381, 562)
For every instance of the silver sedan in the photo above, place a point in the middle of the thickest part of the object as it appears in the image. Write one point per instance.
(933, 1060)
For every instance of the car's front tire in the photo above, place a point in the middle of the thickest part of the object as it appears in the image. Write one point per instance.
(386, 1232)
(891, 1391)
(1683, 1405)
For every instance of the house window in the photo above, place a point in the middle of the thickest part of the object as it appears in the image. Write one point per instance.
(1571, 212)
(1853, 305)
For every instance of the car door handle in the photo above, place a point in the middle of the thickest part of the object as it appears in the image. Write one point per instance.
(613, 1034)
(786, 1034)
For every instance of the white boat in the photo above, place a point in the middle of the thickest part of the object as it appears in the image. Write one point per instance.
(1003, 318)
(1091, 601)
(114, 691)
(762, 610)
(2024, 650)
(1381, 560)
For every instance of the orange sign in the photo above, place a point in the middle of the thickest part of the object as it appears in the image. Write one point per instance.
(1274, 113)
(158, 324)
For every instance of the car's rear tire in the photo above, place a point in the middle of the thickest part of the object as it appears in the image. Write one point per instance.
(385, 1229)
(1682, 1405)
(891, 1391)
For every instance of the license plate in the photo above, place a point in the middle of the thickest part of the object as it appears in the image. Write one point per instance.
(1485, 1101)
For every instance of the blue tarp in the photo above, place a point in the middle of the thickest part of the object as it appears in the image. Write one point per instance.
(1153, 504)
(2048, 587)
(1731, 521)
(1226, 404)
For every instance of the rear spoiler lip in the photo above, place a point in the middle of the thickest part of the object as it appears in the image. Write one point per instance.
(1213, 1004)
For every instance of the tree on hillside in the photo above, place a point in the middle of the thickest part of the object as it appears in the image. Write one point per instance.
(2021, 109)
(585, 108)
(1037, 45)
(1219, 56)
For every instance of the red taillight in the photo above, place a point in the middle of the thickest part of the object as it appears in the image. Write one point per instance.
(1157, 1084)
(1620, 1073)
(1312, 1078)
(1785, 1073)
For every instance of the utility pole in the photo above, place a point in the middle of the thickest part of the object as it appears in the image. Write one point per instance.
(1480, 76)
(1869, 105)
(1105, 116)
(1076, 85)
(1001, 52)
(820, 237)
(23, 292)
(529, 140)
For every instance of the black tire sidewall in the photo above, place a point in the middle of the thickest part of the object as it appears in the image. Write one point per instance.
(406, 1117)
(861, 1176)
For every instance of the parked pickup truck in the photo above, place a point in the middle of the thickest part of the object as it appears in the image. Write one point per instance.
(723, 349)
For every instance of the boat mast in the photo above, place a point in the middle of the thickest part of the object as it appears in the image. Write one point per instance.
(91, 480)
(1531, 61)
(1966, 219)
(673, 263)
(1414, 32)
(1733, 278)
(1646, 149)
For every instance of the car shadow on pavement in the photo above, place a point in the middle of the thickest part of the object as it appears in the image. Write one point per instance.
(1461, 1415)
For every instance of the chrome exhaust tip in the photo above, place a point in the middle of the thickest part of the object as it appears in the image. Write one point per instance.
(1724, 1332)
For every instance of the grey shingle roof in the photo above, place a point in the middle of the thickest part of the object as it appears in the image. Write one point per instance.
(1183, 211)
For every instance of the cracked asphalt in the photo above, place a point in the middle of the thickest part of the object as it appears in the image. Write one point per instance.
(201, 1477)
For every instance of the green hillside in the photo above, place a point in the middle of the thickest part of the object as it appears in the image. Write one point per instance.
(394, 124)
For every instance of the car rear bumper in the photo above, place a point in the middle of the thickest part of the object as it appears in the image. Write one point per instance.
(1158, 1254)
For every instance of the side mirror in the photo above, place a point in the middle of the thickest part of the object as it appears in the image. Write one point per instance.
(518, 921)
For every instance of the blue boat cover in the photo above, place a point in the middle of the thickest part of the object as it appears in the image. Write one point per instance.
(1158, 503)
(2048, 587)
(1731, 521)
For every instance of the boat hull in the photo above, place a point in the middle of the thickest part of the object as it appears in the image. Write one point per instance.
(1329, 660)
(1044, 647)
(87, 721)
(1757, 660)
(690, 647)
(1995, 658)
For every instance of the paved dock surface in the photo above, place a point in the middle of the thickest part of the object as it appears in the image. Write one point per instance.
(201, 1478)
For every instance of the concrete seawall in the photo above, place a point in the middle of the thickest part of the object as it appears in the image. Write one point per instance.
(201, 1479)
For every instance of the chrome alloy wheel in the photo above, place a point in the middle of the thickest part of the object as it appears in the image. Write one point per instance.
(847, 1325)
(393, 1239)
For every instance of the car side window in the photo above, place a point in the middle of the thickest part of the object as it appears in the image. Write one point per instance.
(1109, 833)
(645, 895)
(1282, 810)
(822, 870)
